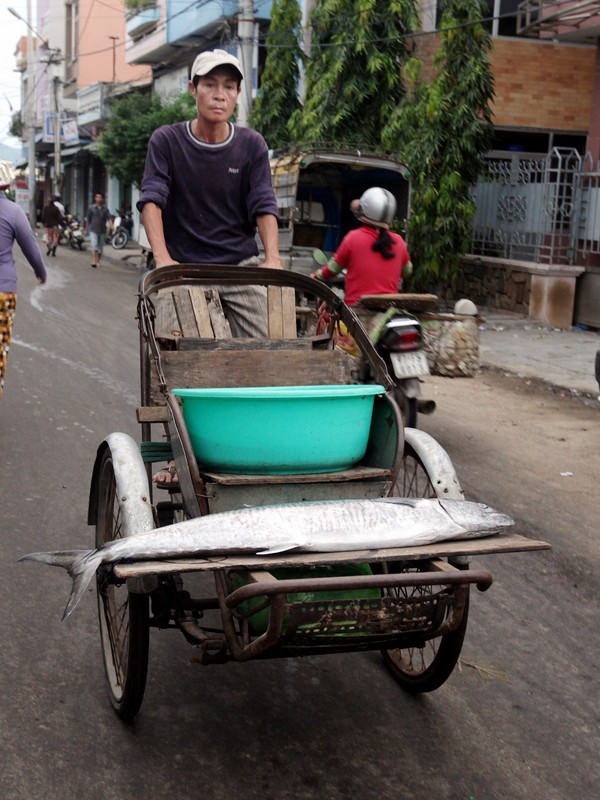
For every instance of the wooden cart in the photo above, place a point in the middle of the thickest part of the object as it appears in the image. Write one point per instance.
(409, 603)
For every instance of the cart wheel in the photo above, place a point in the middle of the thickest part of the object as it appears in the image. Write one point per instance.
(426, 667)
(123, 615)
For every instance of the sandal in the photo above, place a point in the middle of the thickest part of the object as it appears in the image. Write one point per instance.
(166, 476)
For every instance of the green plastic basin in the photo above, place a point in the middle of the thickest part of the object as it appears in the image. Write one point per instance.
(279, 430)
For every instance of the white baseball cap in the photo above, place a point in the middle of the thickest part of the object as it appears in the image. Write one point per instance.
(210, 59)
(5, 174)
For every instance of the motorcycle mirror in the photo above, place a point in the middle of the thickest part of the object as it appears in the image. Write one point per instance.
(320, 257)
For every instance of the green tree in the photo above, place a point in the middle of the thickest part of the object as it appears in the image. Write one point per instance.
(443, 130)
(134, 117)
(278, 95)
(17, 126)
(353, 78)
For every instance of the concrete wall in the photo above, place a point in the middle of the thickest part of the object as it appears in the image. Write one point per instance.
(544, 292)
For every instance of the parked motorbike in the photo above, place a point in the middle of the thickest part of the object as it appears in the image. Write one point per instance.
(71, 232)
(121, 231)
(398, 338)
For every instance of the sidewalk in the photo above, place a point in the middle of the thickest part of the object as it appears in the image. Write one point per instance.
(564, 359)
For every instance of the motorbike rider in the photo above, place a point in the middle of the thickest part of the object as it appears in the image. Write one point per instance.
(375, 258)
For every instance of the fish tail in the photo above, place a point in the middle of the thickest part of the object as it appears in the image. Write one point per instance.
(80, 564)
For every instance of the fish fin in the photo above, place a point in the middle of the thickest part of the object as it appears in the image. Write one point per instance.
(279, 548)
(56, 558)
(80, 564)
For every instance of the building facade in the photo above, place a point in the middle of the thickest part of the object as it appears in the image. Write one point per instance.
(538, 209)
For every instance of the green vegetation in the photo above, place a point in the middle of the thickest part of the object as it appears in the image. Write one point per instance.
(17, 126)
(133, 6)
(278, 95)
(353, 78)
(443, 130)
(134, 117)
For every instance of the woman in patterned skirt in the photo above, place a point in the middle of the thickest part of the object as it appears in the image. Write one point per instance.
(14, 226)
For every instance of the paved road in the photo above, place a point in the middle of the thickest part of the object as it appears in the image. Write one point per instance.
(520, 719)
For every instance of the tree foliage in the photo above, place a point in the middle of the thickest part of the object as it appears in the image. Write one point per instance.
(353, 78)
(17, 126)
(278, 95)
(443, 130)
(134, 117)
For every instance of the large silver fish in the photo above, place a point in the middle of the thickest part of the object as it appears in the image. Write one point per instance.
(320, 527)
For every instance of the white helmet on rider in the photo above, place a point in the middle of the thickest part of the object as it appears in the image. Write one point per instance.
(376, 207)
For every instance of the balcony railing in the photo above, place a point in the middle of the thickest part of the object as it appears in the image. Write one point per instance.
(549, 17)
(142, 20)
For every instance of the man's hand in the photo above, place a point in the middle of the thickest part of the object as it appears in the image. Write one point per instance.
(165, 262)
(272, 262)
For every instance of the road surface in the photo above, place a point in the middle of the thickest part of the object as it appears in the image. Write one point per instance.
(518, 719)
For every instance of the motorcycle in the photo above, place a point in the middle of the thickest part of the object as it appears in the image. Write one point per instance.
(71, 232)
(121, 231)
(398, 338)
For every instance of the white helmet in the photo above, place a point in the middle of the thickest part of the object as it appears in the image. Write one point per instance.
(376, 206)
(5, 174)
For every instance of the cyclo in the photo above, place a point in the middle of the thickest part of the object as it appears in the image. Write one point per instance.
(410, 603)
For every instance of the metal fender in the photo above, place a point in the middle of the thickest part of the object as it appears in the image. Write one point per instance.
(437, 463)
(133, 493)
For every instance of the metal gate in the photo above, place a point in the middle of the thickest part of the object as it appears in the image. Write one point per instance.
(544, 209)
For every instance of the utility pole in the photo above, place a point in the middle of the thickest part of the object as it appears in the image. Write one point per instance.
(52, 59)
(246, 37)
(114, 57)
(31, 115)
(57, 138)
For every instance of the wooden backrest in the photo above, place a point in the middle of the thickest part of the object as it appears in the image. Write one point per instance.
(196, 312)
(198, 349)
(232, 368)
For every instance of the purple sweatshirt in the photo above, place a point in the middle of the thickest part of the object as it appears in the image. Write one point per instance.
(15, 225)
(210, 194)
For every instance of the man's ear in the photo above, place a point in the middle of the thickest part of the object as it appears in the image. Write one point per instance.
(192, 88)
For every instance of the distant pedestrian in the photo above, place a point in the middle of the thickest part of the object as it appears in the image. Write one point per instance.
(51, 220)
(96, 221)
(14, 226)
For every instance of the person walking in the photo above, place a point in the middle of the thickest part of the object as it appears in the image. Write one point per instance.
(96, 221)
(14, 226)
(51, 220)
